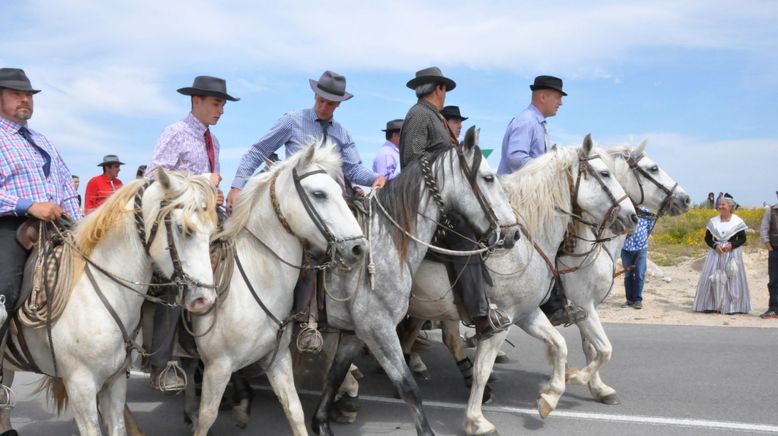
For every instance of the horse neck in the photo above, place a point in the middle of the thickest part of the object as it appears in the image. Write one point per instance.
(427, 217)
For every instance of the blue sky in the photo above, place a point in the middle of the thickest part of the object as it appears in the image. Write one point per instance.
(697, 79)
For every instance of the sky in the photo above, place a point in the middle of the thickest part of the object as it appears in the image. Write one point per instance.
(697, 80)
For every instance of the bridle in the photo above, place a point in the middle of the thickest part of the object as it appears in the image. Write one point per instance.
(470, 172)
(333, 242)
(180, 278)
(638, 171)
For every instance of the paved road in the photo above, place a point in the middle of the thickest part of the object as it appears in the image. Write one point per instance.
(672, 381)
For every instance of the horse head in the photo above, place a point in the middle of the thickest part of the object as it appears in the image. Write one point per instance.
(597, 192)
(646, 183)
(479, 195)
(179, 216)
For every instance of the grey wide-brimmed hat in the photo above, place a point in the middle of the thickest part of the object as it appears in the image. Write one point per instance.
(547, 82)
(330, 86)
(110, 159)
(450, 112)
(431, 75)
(14, 78)
(393, 125)
(207, 85)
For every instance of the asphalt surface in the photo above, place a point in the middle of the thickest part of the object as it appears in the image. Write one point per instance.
(671, 381)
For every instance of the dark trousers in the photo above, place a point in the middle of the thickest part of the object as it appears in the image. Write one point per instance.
(635, 277)
(467, 273)
(165, 326)
(772, 271)
(303, 293)
(12, 259)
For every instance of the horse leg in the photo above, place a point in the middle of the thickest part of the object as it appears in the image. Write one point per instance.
(598, 351)
(241, 409)
(5, 414)
(486, 351)
(348, 345)
(133, 429)
(190, 391)
(387, 351)
(215, 378)
(538, 326)
(111, 401)
(281, 377)
(408, 330)
(82, 394)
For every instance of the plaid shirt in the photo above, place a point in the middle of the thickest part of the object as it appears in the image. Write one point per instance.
(181, 147)
(22, 181)
(294, 130)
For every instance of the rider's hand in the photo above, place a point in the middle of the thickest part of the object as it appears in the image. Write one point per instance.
(215, 179)
(47, 211)
(231, 198)
(219, 197)
(769, 246)
(379, 182)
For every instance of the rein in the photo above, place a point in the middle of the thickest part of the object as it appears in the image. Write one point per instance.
(633, 163)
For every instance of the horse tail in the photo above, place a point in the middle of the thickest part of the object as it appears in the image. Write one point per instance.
(55, 392)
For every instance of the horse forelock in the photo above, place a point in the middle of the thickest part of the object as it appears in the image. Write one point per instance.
(195, 197)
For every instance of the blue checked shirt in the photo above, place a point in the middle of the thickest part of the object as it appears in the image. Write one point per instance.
(639, 240)
(22, 180)
(295, 130)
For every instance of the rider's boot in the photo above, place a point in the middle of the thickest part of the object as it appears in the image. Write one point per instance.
(309, 339)
(558, 310)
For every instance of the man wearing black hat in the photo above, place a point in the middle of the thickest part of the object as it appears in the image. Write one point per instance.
(424, 128)
(387, 160)
(453, 119)
(186, 145)
(527, 134)
(99, 188)
(295, 130)
(34, 182)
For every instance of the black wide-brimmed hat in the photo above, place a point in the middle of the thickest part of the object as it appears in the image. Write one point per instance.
(207, 85)
(393, 125)
(110, 159)
(330, 86)
(450, 112)
(548, 82)
(431, 75)
(14, 78)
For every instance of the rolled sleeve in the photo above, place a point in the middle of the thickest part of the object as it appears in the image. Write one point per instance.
(278, 135)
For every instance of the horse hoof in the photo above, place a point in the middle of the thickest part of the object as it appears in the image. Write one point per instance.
(422, 375)
(343, 417)
(321, 428)
(544, 408)
(610, 400)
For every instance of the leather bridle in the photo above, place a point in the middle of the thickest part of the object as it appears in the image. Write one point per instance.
(633, 162)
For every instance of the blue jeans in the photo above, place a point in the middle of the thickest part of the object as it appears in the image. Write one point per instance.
(634, 278)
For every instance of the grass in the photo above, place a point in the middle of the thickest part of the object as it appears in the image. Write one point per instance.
(680, 238)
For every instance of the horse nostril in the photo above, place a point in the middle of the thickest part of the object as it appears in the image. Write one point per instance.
(517, 235)
(356, 250)
(687, 200)
(634, 218)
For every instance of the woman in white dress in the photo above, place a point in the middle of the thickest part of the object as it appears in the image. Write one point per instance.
(723, 286)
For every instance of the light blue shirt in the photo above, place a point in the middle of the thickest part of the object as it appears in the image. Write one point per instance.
(387, 161)
(524, 140)
(295, 130)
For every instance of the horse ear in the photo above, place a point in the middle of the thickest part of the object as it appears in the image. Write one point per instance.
(471, 137)
(587, 144)
(308, 157)
(641, 148)
(163, 178)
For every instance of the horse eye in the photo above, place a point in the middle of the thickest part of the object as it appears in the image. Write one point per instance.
(654, 169)
(605, 174)
(489, 178)
(320, 195)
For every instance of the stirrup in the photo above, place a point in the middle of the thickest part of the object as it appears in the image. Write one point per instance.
(7, 397)
(309, 339)
(498, 319)
(172, 378)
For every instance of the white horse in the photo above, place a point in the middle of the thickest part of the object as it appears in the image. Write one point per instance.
(246, 325)
(410, 204)
(542, 194)
(586, 287)
(166, 225)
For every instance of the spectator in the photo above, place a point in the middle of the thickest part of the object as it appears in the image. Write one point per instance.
(723, 286)
(718, 201)
(76, 183)
(633, 257)
(710, 203)
(769, 234)
(141, 173)
(101, 187)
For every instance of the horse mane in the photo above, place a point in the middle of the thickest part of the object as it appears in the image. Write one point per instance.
(327, 157)
(402, 196)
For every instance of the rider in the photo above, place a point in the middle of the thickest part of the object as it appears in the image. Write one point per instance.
(34, 182)
(294, 130)
(424, 127)
(525, 139)
(186, 145)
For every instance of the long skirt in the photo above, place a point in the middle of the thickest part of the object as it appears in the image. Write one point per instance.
(723, 286)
